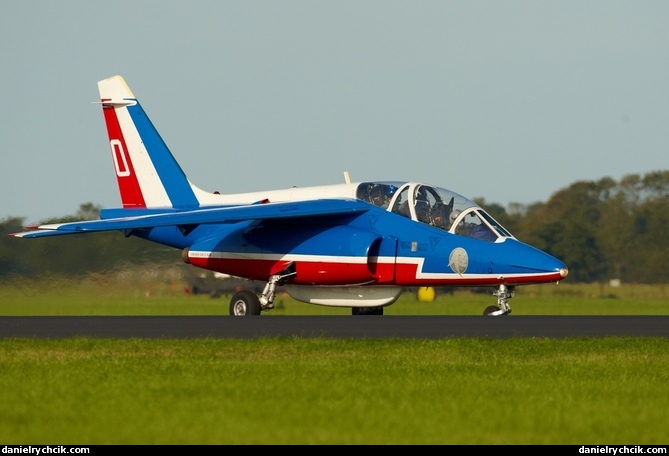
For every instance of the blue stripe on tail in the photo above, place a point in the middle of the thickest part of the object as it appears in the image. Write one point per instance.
(170, 173)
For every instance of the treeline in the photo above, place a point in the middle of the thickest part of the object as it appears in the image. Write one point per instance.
(601, 229)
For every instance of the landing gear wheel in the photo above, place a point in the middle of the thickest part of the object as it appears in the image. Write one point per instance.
(244, 303)
(367, 311)
(490, 310)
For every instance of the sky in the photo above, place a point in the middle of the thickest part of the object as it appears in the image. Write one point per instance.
(509, 101)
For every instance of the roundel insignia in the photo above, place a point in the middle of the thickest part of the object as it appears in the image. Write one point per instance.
(458, 260)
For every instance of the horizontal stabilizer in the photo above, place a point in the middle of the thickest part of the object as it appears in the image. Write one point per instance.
(124, 102)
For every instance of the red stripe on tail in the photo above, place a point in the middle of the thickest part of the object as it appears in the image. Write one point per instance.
(131, 193)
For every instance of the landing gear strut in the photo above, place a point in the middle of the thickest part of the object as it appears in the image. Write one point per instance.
(503, 294)
(246, 302)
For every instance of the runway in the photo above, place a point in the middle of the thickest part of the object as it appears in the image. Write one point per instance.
(353, 327)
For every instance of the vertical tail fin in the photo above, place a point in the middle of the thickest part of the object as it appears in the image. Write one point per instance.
(148, 176)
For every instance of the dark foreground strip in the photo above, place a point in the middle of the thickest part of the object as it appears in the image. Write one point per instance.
(355, 327)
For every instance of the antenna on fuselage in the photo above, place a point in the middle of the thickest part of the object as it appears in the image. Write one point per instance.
(346, 177)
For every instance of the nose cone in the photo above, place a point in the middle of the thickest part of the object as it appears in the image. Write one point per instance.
(527, 264)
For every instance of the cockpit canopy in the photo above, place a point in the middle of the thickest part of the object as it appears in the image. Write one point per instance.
(434, 206)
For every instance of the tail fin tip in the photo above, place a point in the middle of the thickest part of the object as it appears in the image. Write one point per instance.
(114, 88)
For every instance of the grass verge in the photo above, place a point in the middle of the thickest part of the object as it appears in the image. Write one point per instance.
(322, 391)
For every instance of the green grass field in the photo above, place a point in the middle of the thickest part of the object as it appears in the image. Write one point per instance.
(323, 391)
(329, 391)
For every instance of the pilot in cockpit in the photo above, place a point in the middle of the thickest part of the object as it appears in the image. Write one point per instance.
(431, 209)
(381, 194)
(388, 193)
(376, 195)
(422, 206)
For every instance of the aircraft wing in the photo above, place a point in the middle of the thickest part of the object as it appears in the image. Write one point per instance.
(231, 214)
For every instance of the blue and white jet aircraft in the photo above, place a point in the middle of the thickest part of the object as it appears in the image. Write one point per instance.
(355, 245)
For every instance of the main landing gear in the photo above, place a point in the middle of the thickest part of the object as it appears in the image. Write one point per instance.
(246, 302)
(503, 294)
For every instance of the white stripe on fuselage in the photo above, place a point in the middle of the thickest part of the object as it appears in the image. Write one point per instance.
(277, 257)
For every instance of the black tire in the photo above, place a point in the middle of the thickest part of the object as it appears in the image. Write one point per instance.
(367, 311)
(244, 303)
(490, 309)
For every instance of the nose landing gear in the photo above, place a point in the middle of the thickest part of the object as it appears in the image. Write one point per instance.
(503, 294)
